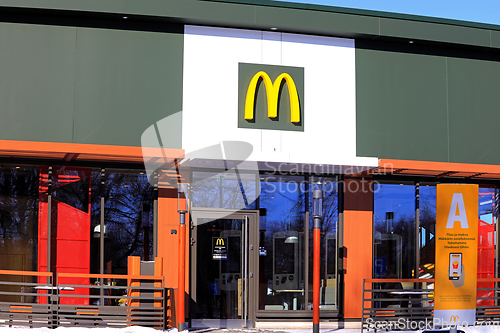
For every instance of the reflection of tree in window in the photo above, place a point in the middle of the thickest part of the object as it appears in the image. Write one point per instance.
(427, 218)
(285, 204)
(18, 217)
(227, 190)
(18, 200)
(329, 223)
(126, 196)
(395, 240)
(8, 226)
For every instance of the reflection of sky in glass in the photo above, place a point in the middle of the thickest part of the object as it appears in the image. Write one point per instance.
(282, 199)
(399, 199)
(427, 212)
(224, 190)
(329, 187)
(486, 204)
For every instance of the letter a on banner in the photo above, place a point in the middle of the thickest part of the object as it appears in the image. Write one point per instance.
(457, 205)
(456, 254)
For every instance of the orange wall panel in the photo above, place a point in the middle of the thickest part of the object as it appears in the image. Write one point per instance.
(168, 243)
(358, 240)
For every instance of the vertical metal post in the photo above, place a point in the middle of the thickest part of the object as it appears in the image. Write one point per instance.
(49, 215)
(101, 239)
(496, 219)
(51, 298)
(340, 246)
(306, 245)
(245, 272)
(182, 188)
(181, 318)
(417, 231)
(317, 195)
(55, 306)
(155, 215)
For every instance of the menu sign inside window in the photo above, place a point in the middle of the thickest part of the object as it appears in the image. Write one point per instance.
(219, 248)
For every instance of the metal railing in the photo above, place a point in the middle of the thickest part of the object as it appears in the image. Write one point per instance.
(488, 299)
(391, 303)
(20, 302)
(394, 303)
(34, 299)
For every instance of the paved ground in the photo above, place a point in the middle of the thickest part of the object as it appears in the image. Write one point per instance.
(138, 329)
(342, 330)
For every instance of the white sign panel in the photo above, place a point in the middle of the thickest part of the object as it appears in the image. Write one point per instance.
(210, 94)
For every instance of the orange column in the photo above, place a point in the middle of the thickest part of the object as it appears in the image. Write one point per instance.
(133, 269)
(358, 240)
(158, 284)
(168, 244)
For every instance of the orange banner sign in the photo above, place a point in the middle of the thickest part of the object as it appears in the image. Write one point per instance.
(456, 255)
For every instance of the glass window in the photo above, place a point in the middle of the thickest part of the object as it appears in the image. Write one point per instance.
(18, 224)
(329, 244)
(281, 260)
(427, 242)
(128, 219)
(228, 190)
(486, 243)
(394, 231)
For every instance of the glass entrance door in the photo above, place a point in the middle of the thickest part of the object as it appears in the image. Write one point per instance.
(223, 266)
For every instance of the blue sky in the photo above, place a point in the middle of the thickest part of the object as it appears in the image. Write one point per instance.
(483, 11)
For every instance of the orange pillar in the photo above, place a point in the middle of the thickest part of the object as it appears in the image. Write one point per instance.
(159, 284)
(358, 241)
(133, 269)
(168, 246)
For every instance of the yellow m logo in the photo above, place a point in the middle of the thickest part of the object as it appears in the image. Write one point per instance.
(272, 91)
(454, 319)
(220, 241)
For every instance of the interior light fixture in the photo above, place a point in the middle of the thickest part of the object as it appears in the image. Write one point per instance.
(97, 231)
(274, 28)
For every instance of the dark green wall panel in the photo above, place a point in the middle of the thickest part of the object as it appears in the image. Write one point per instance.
(426, 106)
(88, 85)
(400, 105)
(495, 39)
(286, 16)
(320, 22)
(37, 75)
(126, 81)
(474, 104)
(193, 11)
(434, 32)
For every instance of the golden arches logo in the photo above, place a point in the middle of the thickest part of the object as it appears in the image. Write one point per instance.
(272, 91)
(220, 241)
(454, 319)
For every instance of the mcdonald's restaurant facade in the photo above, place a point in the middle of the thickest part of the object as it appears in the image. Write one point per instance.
(107, 107)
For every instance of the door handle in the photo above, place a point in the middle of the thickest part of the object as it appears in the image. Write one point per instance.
(251, 275)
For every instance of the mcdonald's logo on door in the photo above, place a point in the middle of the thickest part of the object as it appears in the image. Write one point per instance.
(219, 248)
(271, 97)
